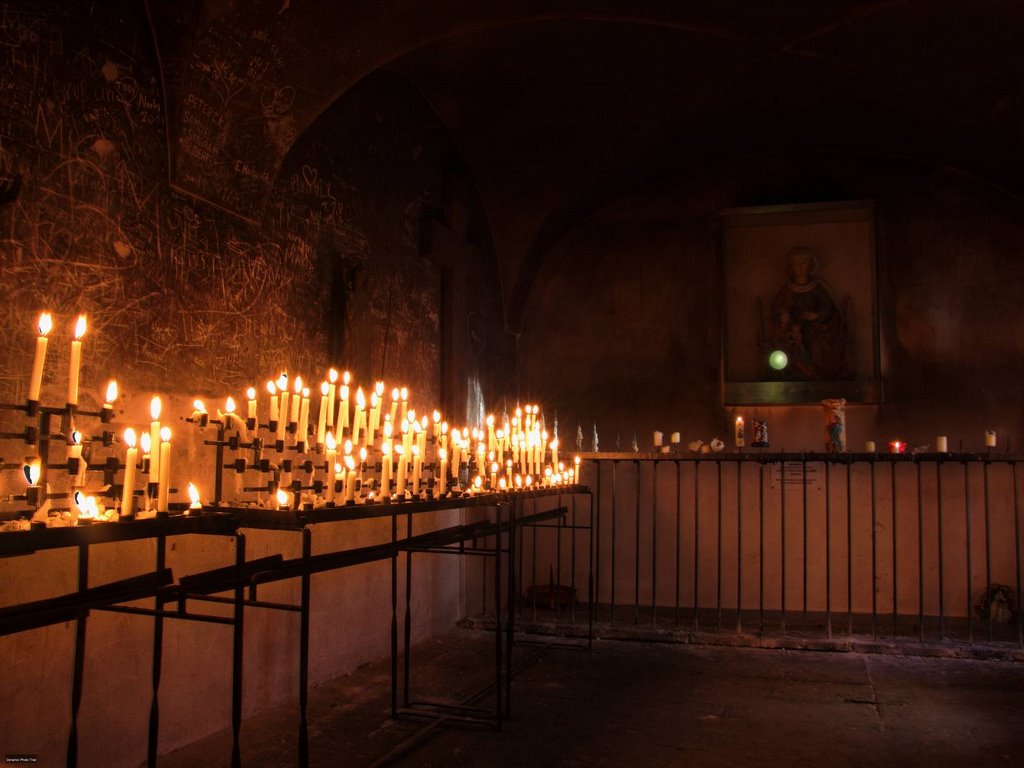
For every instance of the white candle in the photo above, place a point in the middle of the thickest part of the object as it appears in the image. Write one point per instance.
(272, 390)
(195, 503)
(359, 418)
(154, 436)
(343, 421)
(674, 438)
(659, 439)
(75, 446)
(442, 475)
(941, 444)
(332, 383)
(494, 476)
(321, 421)
(869, 446)
(740, 434)
(385, 468)
(282, 408)
(990, 438)
(350, 479)
(282, 498)
(395, 396)
(251, 412)
(76, 360)
(456, 447)
(165, 470)
(375, 405)
(554, 452)
(110, 397)
(332, 458)
(422, 436)
(576, 470)
(417, 465)
(303, 433)
(131, 456)
(490, 432)
(36, 382)
(293, 417)
(400, 480)
(404, 406)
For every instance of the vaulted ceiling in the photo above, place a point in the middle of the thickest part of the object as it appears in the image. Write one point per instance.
(555, 105)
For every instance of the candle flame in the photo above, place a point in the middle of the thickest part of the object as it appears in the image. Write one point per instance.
(350, 463)
(298, 385)
(411, 416)
(399, 450)
(154, 407)
(271, 388)
(111, 391)
(442, 454)
(250, 393)
(45, 323)
(332, 376)
(346, 377)
(32, 470)
(360, 398)
(193, 494)
(490, 420)
(554, 444)
(494, 467)
(348, 447)
(437, 416)
(502, 483)
(374, 399)
(129, 437)
(444, 427)
(395, 394)
(424, 422)
(282, 498)
(229, 405)
(330, 442)
(305, 392)
(80, 502)
(415, 451)
(199, 406)
(324, 387)
(362, 453)
(282, 381)
(80, 327)
(576, 461)
(165, 434)
(379, 388)
(478, 482)
(76, 438)
(145, 442)
(388, 429)
(385, 449)
(739, 419)
(404, 392)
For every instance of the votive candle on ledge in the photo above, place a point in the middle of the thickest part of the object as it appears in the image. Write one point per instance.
(990, 438)
(941, 444)
(897, 446)
(869, 446)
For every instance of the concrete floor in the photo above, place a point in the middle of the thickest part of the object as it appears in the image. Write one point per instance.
(645, 704)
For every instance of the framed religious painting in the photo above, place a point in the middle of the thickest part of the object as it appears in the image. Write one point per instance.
(800, 304)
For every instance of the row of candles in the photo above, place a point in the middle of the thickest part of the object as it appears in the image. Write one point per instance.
(352, 433)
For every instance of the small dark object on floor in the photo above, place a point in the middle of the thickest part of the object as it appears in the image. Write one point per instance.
(999, 602)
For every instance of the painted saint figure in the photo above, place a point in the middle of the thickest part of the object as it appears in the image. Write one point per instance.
(806, 323)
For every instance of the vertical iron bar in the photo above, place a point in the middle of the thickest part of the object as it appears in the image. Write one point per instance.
(895, 581)
(803, 465)
(533, 557)
(1016, 543)
(967, 536)
(78, 670)
(558, 560)
(237, 645)
(782, 516)
(615, 472)
(718, 465)
(158, 651)
(394, 613)
(679, 496)
(510, 609)
(874, 555)
(497, 624)
(572, 559)
(828, 547)
(595, 540)
(407, 628)
(988, 552)
(590, 579)
(849, 548)
(942, 596)
(636, 551)
(307, 551)
(696, 547)
(760, 547)
(654, 543)
(739, 544)
(920, 558)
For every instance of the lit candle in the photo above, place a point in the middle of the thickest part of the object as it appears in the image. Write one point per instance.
(490, 432)
(395, 396)
(442, 475)
(332, 383)
(375, 403)
(740, 434)
(385, 467)
(359, 418)
(400, 480)
(554, 452)
(75, 446)
(36, 382)
(293, 417)
(422, 436)
(154, 436)
(350, 480)
(303, 435)
(321, 421)
(941, 444)
(494, 476)
(456, 447)
(282, 499)
(109, 398)
(272, 390)
(576, 470)
(76, 360)
(343, 422)
(282, 408)
(131, 456)
(417, 465)
(437, 425)
(165, 469)
(332, 458)
(251, 412)
(363, 453)
(990, 438)
(403, 407)
(195, 501)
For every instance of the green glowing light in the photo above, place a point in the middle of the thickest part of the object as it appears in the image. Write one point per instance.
(778, 360)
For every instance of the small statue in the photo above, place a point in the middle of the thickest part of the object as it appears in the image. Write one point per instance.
(618, 445)
(595, 438)
(556, 426)
(636, 447)
(579, 438)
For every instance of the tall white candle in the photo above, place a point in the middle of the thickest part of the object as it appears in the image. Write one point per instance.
(576, 470)
(76, 360)
(350, 479)
(293, 417)
(404, 405)
(417, 465)
(131, 456)
(395, 396)
(272, 391)
(385, 468)
(321, 420)
(740, 433)
(343, 415)
(282, 407)
(303, 432)
(554, 452)
(359, 417)
(332, 458)
(36, 382)
(251, 411)
(165, 469)
(154, 436)
(332, 383)
(442, 475)
(400, 480)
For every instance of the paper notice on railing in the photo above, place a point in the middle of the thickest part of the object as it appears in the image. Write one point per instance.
(792, 474)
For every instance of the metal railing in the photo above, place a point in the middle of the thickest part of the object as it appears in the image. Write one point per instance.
(879, 546)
